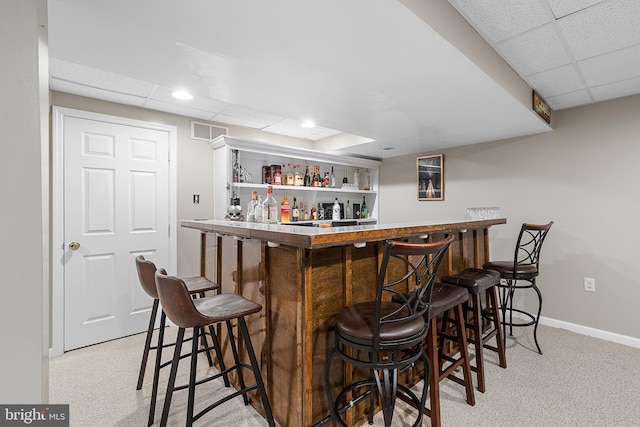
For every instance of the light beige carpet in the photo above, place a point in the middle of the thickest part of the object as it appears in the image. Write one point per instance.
(579, 381)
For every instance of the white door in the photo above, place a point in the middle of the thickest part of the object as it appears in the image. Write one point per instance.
(116, 207)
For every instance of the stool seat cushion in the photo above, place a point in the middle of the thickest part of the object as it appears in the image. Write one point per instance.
(222, 307)
(476, 280)
(445, 297)
(199, 284)
(506, 268)
(356, 322)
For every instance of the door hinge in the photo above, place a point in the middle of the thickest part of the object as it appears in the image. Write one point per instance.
(169, 230)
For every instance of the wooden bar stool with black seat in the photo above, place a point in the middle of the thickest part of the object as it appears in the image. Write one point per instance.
(188, 313)
(196, 286)
(385, 337)
(446, 298)
(524, 267)
(480, 282)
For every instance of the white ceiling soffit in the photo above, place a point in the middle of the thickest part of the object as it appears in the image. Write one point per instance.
(573, 52)
(370, 69)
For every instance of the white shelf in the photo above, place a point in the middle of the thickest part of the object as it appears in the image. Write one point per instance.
(301, 188)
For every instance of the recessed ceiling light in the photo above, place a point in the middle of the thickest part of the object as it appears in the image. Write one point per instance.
(180, 94)
(308, 124)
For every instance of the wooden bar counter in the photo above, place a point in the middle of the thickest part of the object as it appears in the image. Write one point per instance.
(302, 276)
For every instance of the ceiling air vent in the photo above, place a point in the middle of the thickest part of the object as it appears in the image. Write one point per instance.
(205, 131)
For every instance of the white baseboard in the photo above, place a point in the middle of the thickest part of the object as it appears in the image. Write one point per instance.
(592, 332)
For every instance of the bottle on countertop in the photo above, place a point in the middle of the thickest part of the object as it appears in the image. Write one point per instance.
(364, 212)
(270, 213)
(285, 210)
(347, 211)
(259, 209)
(295, 211)
(336, 211)
(251, 207)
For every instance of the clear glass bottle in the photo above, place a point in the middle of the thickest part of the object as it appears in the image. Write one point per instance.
(347, 211)
(366, 180)
(332, 179)
(297, 176)
(290, 175)
(258, 209)
(356, 178)
(271, 208)
(251, 207)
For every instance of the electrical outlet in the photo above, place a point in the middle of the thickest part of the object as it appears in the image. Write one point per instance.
(589, 284)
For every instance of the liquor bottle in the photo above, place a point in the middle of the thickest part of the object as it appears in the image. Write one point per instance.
(277, 175)
(325, 181)
(347, 211)
(290, 176)
(295, 211)
(236, 167)
(345, 180)
(333, 179)
(258, 209)
(364, 212)
(320, 212)
(307, 177)
(316, 177)
(285, 210)
(298, 178)
(251, 207)
(271, 208)
(336, 211)
(356, 179)
(366, 180)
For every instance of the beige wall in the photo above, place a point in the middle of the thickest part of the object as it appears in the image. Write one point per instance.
(582, 176)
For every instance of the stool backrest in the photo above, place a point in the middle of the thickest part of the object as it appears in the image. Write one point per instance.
(529, 245)
(413, 287)
(177, 302)
(146, 275)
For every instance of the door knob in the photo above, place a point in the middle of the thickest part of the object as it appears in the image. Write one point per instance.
(74, 246)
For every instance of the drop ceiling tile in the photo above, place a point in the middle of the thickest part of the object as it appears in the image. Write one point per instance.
(603, 28)
(569, 100)
(620, 65)
(292, 128)
(258, 119)
(535, 51)
(562, 8)
(100, 79)
(557, 81)
(92, 92)
(500, 20)
(213, 106)
(173, 108)
(616, 90)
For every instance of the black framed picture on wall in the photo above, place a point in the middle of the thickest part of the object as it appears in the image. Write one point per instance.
(430, 172)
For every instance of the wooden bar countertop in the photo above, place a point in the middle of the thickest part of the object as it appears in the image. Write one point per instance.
(317, 237)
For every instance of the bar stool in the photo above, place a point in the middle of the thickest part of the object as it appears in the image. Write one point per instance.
(195, 314)
(196, 286)
(525, 266)
(446, 298)
(385, 337)
(478, 281)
